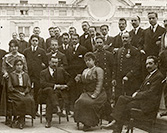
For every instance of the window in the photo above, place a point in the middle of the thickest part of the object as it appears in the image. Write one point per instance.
(62, 2)
(24, 12)
(62, 12)
(25, 30)
(138, 4)
(23, 1)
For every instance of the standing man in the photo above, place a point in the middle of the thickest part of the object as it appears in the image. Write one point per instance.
(76, 66)
(90, 42)
(41, 44)
(127, 68)
(57, 34)
(36, 62)
(22, 43)
(85, 35)
(152, 35)
(108, 40)
(53, 51)
(136, 33)
(52, 36)
(105, 60)
(117, 42)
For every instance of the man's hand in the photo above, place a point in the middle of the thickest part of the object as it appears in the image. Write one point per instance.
(142, 51)
(63, 87)
(134, 94)
(158, 43)
(114, 82)
(22, 93)
(6, 75)
(43, 65)
(124, 80)
(78, 77)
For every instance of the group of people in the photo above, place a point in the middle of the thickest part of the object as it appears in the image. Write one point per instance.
(86, 74)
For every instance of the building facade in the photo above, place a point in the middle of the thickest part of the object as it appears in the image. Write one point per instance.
(23, 15)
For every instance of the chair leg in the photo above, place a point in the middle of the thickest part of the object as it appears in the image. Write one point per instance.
(131, 125)
(78, 125)
(59, 119)
(40, 113)
(67, 115)
(32, 121)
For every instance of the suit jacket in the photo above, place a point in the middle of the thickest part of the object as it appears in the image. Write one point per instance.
(77, 64)
(34, 61)
(137, 39)
(82, 39)
(89, 45)
(109, 40)
(150, 92)
(62, 58)
(22, 46)
(150, 39)
(117, 41)
(47, 80)
(48, 41)
(2, 54)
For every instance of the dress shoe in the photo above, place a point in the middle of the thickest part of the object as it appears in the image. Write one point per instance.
(86, 128)
(110, 125)
(48, 125)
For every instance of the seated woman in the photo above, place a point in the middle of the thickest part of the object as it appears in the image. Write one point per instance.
(18, 91)
(88, 105)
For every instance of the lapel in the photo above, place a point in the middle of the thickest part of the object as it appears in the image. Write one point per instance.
(48, 74)
(150, 32)
(156, 32)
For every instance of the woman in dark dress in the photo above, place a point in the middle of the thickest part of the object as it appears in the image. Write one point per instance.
(18, 91)
(87, 107)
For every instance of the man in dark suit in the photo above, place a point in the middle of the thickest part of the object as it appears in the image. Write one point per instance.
(2, 54)
(22, 43)
(108, 40)
(52, 36)
(54, 83)
(90, 42)
(136, 33)
(127, 68)
(41, 44)
(36, 61)
(117, 42)
(147, 98)
(76, 66)
(152, 35)
(66, 48)
(57, 34)
(53, 51)
(85, 35)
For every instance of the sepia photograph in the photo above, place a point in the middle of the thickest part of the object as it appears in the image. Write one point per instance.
(76, 66)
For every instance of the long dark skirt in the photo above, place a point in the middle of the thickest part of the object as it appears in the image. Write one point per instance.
(22, 105)
(87, 110)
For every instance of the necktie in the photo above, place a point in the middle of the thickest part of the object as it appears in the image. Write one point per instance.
(54, 73)
(33, 49)
(152, 29)
(135, 31)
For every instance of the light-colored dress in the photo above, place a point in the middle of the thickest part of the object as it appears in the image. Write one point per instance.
(87, 109)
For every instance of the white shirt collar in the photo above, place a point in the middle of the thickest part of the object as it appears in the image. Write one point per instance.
(51, 71)
(121, 32)
(34, 47)
(151, 73)
(155, 27)
(136, 29)
(65, 46)
(76, 47)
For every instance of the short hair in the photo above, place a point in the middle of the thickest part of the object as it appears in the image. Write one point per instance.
(76, 35)
(86, 22)
(73, 28)
(56, 27)
(138, 18)
(156, 14)
(14, 33)
(54, 57)
(89, 55)
(36, 27)
(92, 27)
(13, 42)
(154, 58)
(51, 28)
(21, 33)
(123, 19)
(104, 25)
(65, 34)
(99, 37)
(36, 36)
(54, 40)
(18, 60)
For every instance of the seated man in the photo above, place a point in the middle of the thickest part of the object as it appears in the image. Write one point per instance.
(147, 98)
(54, 83)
